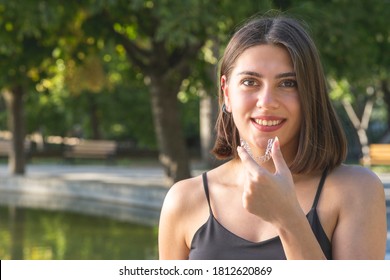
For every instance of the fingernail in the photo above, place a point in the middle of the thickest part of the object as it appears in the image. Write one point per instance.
(277, 143)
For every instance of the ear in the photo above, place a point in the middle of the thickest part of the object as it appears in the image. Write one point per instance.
(225, 91)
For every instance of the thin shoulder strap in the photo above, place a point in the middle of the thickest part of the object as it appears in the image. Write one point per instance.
(206, 189)
(319, 189)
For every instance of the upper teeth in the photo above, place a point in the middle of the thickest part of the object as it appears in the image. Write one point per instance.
(268, 123)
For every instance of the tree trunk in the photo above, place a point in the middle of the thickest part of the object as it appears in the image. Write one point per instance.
(208, 112)
(94, 116)
(361, 126)
(208, 116)
(165, 67)
(14, 101)
(173, 152)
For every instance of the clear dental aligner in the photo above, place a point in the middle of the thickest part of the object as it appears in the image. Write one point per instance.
(260, 159)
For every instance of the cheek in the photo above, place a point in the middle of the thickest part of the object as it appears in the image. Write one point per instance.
(241, 102)
(241, 112)
(241, 109)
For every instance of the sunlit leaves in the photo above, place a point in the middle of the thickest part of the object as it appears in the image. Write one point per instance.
(340, 89)
(89, 76)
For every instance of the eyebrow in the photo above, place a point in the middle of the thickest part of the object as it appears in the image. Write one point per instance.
(278, 76)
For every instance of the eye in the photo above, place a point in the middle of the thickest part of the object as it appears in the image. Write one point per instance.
(249, 82)
(289, 83)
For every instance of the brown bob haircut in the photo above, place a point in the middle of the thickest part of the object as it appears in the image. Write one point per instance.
(322, 142)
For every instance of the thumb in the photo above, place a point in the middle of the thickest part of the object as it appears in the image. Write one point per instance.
(277, 156)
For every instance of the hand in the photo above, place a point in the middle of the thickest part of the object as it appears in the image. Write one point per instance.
(269, 196)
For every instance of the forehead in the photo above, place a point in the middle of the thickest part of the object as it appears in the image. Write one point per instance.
(264, 59)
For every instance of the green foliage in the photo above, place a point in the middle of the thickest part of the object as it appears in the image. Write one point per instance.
(353, 38)
(354, 41)
(29, 33)
(69, 53)
(340, 89)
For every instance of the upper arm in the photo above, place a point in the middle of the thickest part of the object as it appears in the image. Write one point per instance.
(171, 236)
(361, 229)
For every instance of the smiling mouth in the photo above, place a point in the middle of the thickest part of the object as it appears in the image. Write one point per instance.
(268, 122)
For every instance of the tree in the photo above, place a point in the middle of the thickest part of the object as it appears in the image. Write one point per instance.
(353, 40)
(32, 34)
(27, 42)
(162, 40)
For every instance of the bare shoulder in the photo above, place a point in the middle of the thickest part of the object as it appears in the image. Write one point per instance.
(180, 216)
(356, 175)
(357, 196)
(356, 181)
(184, 196)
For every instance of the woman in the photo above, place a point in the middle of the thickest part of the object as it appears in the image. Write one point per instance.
(301, 204)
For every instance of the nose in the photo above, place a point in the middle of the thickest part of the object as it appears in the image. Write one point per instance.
(266, 98)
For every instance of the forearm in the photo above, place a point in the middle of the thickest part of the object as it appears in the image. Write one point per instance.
(299, 241)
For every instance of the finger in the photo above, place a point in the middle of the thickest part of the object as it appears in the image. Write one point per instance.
(247, 160)
(277, 156)
(253, 174)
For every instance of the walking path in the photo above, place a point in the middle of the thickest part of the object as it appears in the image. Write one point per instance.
(148, 176)
(132, 194)
(129, 194)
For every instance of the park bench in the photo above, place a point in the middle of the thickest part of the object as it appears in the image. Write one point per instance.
(5, 147)
(380, 154)
(91, 149)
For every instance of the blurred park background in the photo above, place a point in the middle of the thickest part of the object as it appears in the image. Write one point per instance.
(142, 74)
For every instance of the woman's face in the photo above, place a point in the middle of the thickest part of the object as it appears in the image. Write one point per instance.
(262, 95)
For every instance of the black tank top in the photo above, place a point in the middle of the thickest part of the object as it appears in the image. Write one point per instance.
(212, 241)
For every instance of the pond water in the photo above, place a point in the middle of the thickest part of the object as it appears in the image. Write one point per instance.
(36, 234)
